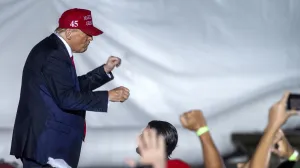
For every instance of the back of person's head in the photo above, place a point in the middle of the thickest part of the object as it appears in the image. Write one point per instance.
(168, 131)
(286, 164)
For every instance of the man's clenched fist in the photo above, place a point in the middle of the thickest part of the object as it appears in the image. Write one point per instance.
(192, 120)
(111, 63)
(119, 94)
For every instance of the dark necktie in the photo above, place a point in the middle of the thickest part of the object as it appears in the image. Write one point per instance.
(84, 129)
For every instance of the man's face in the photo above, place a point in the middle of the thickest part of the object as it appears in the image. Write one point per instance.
(78, 40)
(137, 149)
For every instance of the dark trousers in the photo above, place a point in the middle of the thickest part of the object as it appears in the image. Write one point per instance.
(29, 163)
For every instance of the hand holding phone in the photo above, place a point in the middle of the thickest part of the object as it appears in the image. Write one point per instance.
(293, 102)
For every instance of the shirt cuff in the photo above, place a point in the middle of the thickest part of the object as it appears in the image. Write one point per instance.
(108, 75)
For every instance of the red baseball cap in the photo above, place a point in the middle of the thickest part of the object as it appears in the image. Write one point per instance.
(79, 19)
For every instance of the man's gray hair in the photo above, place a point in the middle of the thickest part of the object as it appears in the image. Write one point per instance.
(59, 30)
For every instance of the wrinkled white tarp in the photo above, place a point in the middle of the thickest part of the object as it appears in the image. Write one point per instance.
(232, 59)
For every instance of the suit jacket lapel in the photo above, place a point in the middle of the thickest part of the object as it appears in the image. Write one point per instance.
(65, 57)
(61, 46)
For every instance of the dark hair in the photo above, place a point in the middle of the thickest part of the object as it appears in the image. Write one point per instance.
(168, 131)
(286, 164)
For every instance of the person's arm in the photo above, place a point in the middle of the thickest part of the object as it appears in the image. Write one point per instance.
(278, 115)
(285, 149)
(212, 158)
(61, 85)
(262, 153)
(100, 75)
(94, 79)
(195, 121)
(278, 136)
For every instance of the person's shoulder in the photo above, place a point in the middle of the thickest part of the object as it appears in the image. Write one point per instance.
(49, 42)
(46, 50)
(47, 46)
(177, 163)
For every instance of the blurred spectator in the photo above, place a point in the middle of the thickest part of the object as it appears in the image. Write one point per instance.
(169, 132)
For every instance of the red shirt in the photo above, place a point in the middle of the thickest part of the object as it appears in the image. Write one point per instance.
(176, 163)
(4, 165)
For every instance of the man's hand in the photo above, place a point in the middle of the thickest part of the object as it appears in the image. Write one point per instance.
(278, 114)
(284, 150)
(152, 149)
(111, 63)
(192, 120)
(119, 94)
(278, 137)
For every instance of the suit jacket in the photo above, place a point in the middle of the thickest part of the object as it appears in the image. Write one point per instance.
(53, 100)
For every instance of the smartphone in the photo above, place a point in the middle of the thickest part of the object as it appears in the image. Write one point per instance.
(293, 102)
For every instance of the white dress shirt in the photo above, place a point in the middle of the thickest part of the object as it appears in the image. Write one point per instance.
(57, 163)
(66, 44)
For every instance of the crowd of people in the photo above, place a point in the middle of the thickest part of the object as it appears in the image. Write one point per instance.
(155, 151)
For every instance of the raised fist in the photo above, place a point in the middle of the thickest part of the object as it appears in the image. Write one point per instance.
(111, 63)
(192, 120)
(119, 94)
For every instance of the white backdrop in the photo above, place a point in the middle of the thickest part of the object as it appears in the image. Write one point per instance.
(232, 59)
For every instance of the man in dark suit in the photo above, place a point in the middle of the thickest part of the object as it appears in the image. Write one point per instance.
(50, 120)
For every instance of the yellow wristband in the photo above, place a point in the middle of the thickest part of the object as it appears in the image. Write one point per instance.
(294, 156)
(202, 130)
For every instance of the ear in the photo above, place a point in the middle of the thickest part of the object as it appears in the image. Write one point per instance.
(68, 34)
